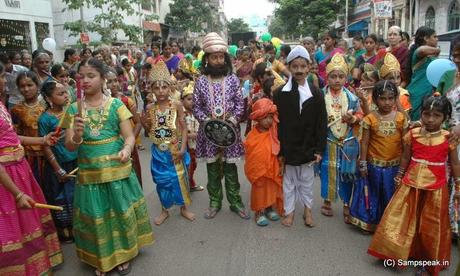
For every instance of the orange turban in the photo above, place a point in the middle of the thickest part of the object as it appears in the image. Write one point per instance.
(260, 109)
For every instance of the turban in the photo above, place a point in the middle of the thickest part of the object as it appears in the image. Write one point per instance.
(298, 51)
(260, 109)
(337, 63)
(213, 43)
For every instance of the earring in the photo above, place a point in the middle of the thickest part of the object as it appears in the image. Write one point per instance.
(51, 105)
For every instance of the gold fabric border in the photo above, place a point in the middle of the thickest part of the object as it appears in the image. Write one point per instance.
(104, 175)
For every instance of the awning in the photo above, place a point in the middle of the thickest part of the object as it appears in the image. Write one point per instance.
(151, 26)
(358, 26)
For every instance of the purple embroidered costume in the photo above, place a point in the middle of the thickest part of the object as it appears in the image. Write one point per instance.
(232, 102)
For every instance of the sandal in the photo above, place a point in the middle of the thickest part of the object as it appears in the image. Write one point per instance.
(262, 220)
(240, 212)
(211, 213)
(124, 271)
(273, 216)
(326, 210)
(197, 189)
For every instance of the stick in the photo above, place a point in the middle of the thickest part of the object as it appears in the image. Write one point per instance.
(46, 206)
(334, 122)
(50, 76)
(366, 87)
(79, 94)
(73, 172)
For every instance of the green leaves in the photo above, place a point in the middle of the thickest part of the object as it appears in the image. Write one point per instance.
(304, 17)
(189, 15)
(237, 25)
(108, 21)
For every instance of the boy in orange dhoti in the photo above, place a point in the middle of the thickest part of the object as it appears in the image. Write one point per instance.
(262, 167)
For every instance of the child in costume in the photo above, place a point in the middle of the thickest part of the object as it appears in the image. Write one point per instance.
(369, 78)
(262, 167)
(391, 70)
(415, 224)
(25, 118)
(192, 130)
(110, 222)
(59, 186)
(29, 243)
(115, 90)
(381, 147)
(164, 121)
(338, 166)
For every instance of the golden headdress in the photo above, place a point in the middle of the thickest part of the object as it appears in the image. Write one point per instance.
(368, 69)
(337, 63)
(188, 90)
(186, 66)
(390, 64)
(160, 72)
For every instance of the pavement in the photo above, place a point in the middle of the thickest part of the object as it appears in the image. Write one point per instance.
(228, 245)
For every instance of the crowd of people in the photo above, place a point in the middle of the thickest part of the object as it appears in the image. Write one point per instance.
(363, 118)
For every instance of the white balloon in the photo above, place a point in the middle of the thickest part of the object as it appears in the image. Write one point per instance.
(49, 44)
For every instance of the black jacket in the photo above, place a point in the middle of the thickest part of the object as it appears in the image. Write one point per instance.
(301, 134)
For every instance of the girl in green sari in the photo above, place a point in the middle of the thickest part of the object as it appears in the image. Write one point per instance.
(111, 222)
(421, 54)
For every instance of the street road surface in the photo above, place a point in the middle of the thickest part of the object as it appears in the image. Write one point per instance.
(228, 245)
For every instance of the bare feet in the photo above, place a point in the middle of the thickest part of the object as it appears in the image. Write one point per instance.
(99, 273)
(187, 214)
(326, 209)
(124, 269)
(288, 220)
(346, 214)
(162, 217)
(308, 217)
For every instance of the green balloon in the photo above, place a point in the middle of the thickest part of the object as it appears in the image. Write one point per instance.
(266, 37)
(197, 64)
(232, 50)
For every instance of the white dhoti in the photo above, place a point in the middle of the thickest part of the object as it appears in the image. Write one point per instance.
(298, 184)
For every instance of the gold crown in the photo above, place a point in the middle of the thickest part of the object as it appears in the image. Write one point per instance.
(368, 67)
(184, 66)
(188, 90)
(160, 72)
(390, 64)
(337, 63)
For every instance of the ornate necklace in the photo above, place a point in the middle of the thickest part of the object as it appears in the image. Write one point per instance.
(96, 119)
(31, 105)
(162, 132)
(217, 110)
(336, 106)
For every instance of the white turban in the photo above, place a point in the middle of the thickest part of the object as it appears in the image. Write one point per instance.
(298, 51)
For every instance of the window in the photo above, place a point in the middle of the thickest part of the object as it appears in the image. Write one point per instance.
(453, 16)
(430, 18)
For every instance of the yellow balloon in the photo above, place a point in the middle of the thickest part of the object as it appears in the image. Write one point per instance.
(276, 42)
(200, 55)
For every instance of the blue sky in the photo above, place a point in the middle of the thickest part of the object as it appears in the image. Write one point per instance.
(247, 8)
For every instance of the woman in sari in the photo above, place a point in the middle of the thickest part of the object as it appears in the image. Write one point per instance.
(421, 54)
(172, 61)
(398, 49)
(324, 56)
(368, 57)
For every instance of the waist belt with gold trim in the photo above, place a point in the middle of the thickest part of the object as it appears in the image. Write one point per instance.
(425, 162)
(11, 154)
(101, 142)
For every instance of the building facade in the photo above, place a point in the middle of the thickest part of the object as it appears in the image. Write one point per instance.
(24, 24)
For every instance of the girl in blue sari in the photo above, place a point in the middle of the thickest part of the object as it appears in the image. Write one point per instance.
(165, 123)
(421, 54)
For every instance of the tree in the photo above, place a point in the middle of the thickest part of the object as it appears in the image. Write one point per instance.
(108, 21)
(305, 17)
(237, 25)
(189, 15)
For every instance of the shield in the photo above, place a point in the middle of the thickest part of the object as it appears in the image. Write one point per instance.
(220, 133)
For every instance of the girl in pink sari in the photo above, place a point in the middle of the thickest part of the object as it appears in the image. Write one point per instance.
(29, 243)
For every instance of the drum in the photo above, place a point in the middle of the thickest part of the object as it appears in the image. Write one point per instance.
(220, 133)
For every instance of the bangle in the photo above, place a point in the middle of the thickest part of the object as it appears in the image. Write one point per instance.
(76, 143)
(52, 157)
(61, 172)
(131, 147)
(19, 196)
(44, 140)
